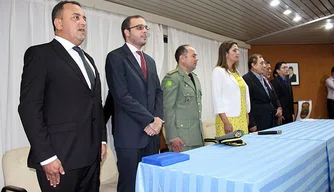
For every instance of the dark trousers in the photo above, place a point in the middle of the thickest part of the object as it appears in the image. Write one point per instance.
(127, 163)
(330, 108)
(86, 179)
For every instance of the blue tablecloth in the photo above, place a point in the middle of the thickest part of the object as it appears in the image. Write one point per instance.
(264, 164)
(309, 129)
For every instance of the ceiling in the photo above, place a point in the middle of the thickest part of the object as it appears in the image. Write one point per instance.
(252, 21)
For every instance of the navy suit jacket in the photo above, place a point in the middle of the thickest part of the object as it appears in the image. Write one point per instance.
(60, 114)
(136, 100)
(285, 96)
(262, 112)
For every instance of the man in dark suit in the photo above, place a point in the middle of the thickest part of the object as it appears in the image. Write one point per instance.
(262, 114)
(60, 107)
(292, 76)
(283, 89)
(274, 98)
(134, 84)
(109, 112)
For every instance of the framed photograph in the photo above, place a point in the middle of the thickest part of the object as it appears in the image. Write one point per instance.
(293, 73)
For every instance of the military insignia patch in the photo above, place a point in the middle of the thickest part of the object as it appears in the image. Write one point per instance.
(168, 83)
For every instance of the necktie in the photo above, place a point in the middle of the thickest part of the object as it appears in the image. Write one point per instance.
(192, 78)
(265, 86)
(267, 82)
(142, 64)
(89, 70)
(285, 82)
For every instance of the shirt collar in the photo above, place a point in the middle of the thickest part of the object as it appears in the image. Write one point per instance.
(132, 48)
(65, 43)
(260, 77)
(283, 78)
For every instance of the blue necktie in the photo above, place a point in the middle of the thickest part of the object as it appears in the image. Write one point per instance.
(285, 82)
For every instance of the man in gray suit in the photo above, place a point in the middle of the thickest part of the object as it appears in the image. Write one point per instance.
(182, 96)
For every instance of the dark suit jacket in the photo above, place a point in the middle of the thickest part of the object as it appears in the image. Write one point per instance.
(109, 110)
(137, 101)
(285, 96)
(293, 78)
(60, 114)
(275, 101)
(262, 112)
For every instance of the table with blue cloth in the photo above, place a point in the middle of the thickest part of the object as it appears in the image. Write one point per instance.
(310, 129)
(264, 164)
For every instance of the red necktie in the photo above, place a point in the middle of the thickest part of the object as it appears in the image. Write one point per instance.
(142, 64)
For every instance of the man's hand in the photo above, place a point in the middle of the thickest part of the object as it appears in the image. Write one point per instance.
(103, 151)
(253, 129)
(280, 120)
(177, 145)
(149, 130)
(52, 171)
(279, 112)
(157, 124)
(228, 128)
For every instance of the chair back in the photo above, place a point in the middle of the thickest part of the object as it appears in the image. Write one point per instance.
(304, 109)
(109, 171)
(209, 130)
(16, 172)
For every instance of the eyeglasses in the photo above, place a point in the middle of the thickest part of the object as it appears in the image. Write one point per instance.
(139, 27)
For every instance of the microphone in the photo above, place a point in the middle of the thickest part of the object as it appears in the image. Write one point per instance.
(269, 132)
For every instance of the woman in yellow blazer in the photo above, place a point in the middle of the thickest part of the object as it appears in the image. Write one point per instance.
(230, 94)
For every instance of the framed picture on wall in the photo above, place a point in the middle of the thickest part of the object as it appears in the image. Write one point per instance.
(293, 73)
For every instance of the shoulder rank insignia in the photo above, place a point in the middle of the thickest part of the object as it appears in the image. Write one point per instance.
(172, 71)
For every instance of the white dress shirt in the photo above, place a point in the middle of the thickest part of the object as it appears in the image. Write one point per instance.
(133, 50)
(330, 88)
(76, 57)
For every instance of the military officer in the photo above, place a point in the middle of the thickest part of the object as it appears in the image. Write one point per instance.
(182, 102)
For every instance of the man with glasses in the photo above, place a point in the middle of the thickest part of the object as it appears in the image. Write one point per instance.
(182, 102)
(135, 87)
(282, 86)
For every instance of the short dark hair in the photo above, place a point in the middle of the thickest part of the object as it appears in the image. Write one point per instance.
(126, 23)
(253, 59)
(332, 70)
(180, 51)
(57, 10)
(291, 68)
(277, 67)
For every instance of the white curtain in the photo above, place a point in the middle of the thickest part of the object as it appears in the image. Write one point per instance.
(28, 22)
(243, 60)
(207, 51)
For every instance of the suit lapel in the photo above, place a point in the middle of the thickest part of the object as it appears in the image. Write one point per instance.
(186, 78)
(97, 75)
(133, 61)
(258, 83)
(68, 59)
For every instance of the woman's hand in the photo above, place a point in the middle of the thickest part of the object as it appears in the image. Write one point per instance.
(228, 128)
